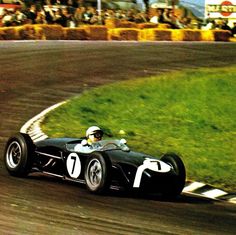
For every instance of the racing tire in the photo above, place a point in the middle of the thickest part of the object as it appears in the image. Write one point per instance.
(18, 155)
(176, 184)
(97, 174)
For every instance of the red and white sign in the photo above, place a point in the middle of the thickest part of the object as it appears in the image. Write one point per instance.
(220, 8)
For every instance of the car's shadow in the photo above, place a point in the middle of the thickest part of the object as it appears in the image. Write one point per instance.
(183, 198)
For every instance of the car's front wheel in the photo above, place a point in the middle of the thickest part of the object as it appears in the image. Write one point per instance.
(176, 183)
(18, 155)
(97, 173)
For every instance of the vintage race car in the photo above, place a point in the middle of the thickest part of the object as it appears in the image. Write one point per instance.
(103, 165)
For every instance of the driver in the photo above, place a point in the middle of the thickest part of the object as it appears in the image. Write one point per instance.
(94, 134)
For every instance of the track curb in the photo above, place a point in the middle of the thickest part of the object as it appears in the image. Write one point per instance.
(32, 127)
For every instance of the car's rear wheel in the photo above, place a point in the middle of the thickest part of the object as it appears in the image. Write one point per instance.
(176, 183)
(97, 174)
(18, 155)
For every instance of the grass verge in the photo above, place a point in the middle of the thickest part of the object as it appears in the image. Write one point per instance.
(192, 112)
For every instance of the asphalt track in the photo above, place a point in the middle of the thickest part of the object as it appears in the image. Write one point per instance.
(35, 75)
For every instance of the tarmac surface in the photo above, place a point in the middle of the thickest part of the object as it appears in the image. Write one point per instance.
(38, 74)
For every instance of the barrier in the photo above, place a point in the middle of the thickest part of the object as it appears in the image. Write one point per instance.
(207, 35)
(143, 32)
(222, 35)
(75, 34)
(29, 32)
(147, 26)
(124, 34)
(96, 32)
(8, 33)
(52, 32)
(156, 35)
(186, 35)
(115, 23)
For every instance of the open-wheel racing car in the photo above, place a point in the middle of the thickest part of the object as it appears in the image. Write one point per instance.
(102, 165)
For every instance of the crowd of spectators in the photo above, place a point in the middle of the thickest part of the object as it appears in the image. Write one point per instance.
(73, 13)
(168, 16)
(67, 13)
(220, 24)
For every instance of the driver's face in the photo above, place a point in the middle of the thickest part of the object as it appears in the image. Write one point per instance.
(97, 136)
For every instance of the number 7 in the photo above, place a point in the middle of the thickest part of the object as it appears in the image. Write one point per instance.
(73, 168)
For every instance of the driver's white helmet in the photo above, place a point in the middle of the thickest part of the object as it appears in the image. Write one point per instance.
(93, 129)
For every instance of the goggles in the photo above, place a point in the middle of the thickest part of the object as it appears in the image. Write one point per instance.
(97, 134)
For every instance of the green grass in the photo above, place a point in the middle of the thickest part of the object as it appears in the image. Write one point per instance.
(191, 112)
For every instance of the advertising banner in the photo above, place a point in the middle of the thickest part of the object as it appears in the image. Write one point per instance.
(220, 8)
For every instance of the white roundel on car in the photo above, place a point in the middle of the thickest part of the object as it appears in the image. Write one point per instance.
(156, 165)
(73, 165)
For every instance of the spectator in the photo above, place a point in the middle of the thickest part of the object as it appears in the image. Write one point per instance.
(72, 5)
(49, 14)
(7, 18)
(167, 16)
(225, 26)
(175, 21)
(41, 18)
(218, 23)
(87, 15)
(233, 30)
(32, 14)
(58, 17)
(130, 15)
(110, 14)
(186, 22)
(141, 18)
(62, 17)
(19, 17)
(58, 2)
(158, 17)
(95, 19)
(210, 24)
(78, 16)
